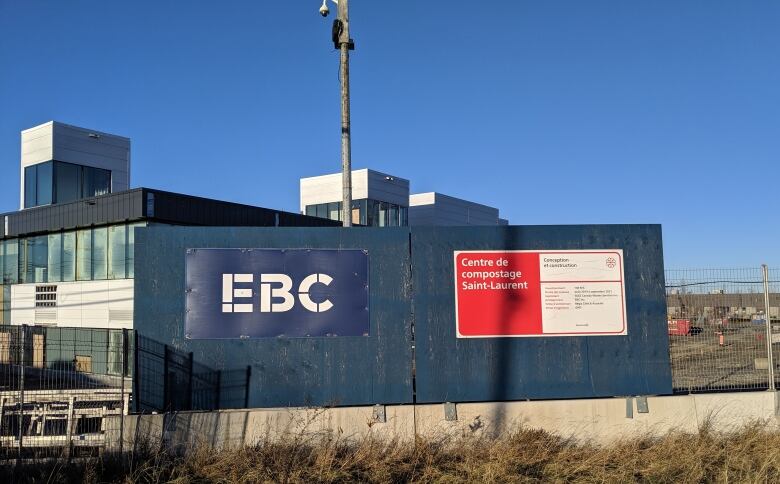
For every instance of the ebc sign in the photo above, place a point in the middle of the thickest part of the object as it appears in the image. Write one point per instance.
(262, 293)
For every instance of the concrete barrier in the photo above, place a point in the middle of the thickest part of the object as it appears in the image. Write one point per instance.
(599, 420)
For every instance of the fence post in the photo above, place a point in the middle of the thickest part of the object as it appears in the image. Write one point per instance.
(136, 374)
(166, 397)
(125, 342)
(768, 323)
(189, 384)
(22, 343)
(246, 389)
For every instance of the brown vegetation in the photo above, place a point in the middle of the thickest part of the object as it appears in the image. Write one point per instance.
(749, 455)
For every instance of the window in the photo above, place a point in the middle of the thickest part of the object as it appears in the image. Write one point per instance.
(392, 215)
(382, 214)
(55, 258)
(117, 252)
(30, 183)
(311, 210)
(59, 182)
(95, 181)
(33, 259)
(68, 256)
(334, 211)
(38, 184)
(67, 182)
(10, 264)
(100, 253)
(84, 255)
(44, 185)
(360, 206)
(131, 248)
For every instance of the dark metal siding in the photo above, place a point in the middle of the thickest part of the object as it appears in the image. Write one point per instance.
(106, 209)
(494, 369)
(171, 208)
(290, 371)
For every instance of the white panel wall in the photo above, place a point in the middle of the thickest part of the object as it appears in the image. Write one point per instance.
(71, 144)
(87, 304)
(388, 188)
(437, 209)
(365, 184)
(37, 147)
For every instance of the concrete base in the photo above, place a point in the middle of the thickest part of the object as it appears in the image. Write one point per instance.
(597, 420)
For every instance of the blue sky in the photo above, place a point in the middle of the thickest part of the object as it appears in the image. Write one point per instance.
(557, 112)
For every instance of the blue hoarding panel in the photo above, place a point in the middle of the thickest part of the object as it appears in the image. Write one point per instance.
(455, 369)
(290, 371)
(261, 293)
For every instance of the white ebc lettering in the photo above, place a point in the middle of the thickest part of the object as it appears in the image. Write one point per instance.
(303, 293)
(268, 293)
(229, 292)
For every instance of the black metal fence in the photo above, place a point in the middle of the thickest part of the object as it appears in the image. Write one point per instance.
(63, 391)
(168, 379)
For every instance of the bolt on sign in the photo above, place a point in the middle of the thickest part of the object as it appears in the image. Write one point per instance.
(266, 293)
(522, 293)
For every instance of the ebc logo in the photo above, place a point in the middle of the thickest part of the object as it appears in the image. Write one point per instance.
(269, 293)
(263, 293)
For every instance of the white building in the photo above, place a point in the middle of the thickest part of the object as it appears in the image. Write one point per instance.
(378, 199)
(67, 256)
(381, 200)
(434, 208)
(61, 163)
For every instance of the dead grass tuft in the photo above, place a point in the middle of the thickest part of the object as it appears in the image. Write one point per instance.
(751, 454)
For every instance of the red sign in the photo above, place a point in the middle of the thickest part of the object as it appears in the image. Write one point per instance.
(539, 293)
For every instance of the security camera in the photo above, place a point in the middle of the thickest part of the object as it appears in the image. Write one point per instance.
(324, 10)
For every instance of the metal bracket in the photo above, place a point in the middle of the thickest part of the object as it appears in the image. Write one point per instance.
(641, 405)
(380, 414)
(450, 412)
(629, 407)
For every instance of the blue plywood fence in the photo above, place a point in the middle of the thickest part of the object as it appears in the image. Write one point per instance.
(345, 370)
(494, 369)
(411, 353)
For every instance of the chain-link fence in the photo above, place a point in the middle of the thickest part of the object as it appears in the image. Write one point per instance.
(61, 388)
(722, 323)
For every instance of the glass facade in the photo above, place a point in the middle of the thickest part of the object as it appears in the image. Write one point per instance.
(58, 182)
(372, 213)
(83, 255)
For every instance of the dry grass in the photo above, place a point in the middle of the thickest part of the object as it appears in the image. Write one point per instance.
(749, 455)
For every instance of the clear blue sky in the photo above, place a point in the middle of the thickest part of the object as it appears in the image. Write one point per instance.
(557, 112)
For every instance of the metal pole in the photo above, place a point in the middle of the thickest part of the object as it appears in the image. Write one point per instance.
(136, 375)
(346, 141)
(166, 396)
(768, 322)
(190, 369)
(22, 343)
(125, 342)
(246, 389)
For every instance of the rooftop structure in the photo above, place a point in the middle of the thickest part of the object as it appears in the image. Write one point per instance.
(438, 209)
(383, 200)
(378, 199)
(61, 163)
